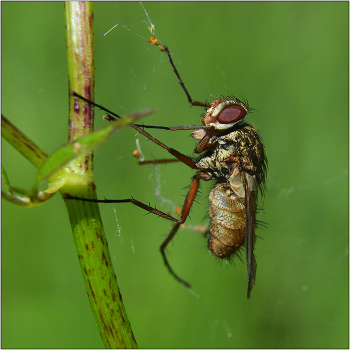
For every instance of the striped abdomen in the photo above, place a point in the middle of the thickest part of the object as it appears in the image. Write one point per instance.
(228, 221)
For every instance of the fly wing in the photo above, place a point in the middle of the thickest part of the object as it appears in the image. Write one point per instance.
(250, 238)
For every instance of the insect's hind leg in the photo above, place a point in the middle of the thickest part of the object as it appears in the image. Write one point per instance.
(185, 211)
(165, 259)
(129, 200)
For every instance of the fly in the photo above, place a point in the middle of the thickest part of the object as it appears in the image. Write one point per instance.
(231, 153)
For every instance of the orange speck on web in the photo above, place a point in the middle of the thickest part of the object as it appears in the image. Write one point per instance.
(136, 153)
(153, 41)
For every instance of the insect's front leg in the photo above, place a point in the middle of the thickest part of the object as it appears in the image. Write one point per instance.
(181, 157)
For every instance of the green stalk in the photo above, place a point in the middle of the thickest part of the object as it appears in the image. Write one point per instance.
(89, 237)
(22, 143)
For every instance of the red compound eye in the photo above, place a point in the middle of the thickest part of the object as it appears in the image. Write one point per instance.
(231, 114)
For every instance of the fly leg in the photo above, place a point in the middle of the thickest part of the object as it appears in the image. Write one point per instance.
(163, 48)
(181, 157)
(130, 200)
(185, 211)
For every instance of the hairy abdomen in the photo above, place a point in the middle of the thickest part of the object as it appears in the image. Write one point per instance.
(227, 221)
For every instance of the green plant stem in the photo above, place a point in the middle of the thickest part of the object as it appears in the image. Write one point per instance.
(88, 233)
(22, 143)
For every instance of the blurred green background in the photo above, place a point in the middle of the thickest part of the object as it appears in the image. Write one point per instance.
(290, 60)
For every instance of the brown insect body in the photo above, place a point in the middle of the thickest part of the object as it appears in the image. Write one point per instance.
(227, 221)
(233, 154)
